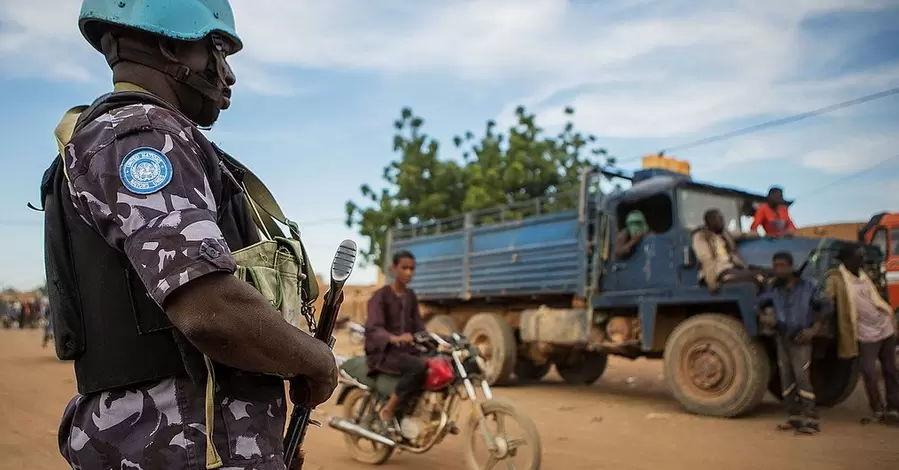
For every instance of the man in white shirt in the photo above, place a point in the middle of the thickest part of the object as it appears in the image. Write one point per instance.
(863, 312)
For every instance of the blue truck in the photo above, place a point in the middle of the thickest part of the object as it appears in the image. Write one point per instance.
(535, 285)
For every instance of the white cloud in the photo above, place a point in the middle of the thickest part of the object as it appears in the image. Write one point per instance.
(719, 67)
(699, 61)
(634, 69)
(853, 153)
(832, 145)
(264, 81)
(40, 38)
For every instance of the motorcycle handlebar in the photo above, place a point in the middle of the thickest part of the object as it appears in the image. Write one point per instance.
(426, 338)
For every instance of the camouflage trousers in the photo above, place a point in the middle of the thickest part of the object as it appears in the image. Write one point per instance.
(162, 426)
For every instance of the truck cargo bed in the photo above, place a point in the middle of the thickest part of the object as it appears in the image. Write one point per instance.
(538, 255)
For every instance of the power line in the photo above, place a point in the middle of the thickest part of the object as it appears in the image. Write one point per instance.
(321, 222)
(777, 122)
(844, 179)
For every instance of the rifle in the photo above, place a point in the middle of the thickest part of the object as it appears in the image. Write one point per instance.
(341, 268)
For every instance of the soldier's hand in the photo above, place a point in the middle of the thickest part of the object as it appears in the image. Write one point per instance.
(308, 392)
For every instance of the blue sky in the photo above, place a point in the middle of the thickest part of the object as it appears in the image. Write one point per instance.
(319, 84)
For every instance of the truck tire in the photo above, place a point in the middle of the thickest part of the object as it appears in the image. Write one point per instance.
(495, 340)
(714, 368)
(527, 370)
(443, 325)
(584, 368)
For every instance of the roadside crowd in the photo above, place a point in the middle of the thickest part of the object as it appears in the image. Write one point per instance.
(848, 298)
(16, 314)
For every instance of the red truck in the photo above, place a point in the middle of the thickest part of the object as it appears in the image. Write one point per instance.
(882, 231)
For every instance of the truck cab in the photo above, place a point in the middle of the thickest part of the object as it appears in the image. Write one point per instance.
(882, 231)
(537, 285)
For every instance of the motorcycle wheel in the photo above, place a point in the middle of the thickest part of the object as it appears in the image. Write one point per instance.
(523, 448)
(363, 450)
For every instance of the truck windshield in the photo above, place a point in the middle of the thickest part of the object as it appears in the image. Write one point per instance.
(693, 204)
(894, 241)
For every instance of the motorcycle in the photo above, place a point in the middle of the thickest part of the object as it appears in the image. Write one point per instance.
(455, 371)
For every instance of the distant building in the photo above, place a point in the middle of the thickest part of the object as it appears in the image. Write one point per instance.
(844, 231)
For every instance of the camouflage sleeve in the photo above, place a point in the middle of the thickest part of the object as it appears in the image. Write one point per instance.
(148, 195)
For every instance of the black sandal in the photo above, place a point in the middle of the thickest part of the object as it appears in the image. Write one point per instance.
(808, 430)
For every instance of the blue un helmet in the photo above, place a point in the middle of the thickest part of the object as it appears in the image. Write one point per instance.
(182, 20)
(185, 20)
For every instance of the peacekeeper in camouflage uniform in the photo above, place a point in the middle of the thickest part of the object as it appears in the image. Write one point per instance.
(136, 178)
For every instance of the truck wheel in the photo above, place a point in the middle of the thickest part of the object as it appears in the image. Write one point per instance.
(495, 340)
(583, 368)
(714, 368)
(528, 371)
(443, 325)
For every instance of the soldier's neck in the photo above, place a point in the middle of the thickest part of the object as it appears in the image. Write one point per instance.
(133, 77)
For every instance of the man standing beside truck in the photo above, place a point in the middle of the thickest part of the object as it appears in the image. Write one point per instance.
(800, 307)
(866, 329)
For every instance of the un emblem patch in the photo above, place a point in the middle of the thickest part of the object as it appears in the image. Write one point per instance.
(145, 171)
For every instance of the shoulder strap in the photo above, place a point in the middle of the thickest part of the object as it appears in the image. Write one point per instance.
(261, 199)
(265, 211)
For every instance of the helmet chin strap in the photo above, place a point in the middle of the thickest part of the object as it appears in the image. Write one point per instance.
(179, 72)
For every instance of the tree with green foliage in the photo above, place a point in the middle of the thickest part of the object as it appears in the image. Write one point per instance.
(496, 169)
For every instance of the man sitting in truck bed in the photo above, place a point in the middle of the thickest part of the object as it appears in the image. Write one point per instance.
(716, 251)
(635, 227)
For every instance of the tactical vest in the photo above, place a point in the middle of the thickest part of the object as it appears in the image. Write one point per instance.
(103, 317)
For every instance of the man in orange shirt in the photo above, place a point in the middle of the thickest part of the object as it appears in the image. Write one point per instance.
(773, 216)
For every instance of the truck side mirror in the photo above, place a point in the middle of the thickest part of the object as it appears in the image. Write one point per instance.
(688, 259)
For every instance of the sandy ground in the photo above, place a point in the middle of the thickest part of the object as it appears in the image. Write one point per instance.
(625, 421)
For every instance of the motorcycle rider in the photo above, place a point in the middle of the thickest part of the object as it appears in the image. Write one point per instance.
(179, 364)
(393, 319)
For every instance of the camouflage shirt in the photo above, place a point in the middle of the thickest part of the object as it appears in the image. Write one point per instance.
(147, 194)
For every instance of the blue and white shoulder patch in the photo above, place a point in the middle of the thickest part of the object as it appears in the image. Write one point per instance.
(145, 170)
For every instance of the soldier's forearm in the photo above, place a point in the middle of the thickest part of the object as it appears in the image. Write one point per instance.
(233, 324)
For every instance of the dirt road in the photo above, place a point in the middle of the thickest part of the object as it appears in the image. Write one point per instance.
(626, 421)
